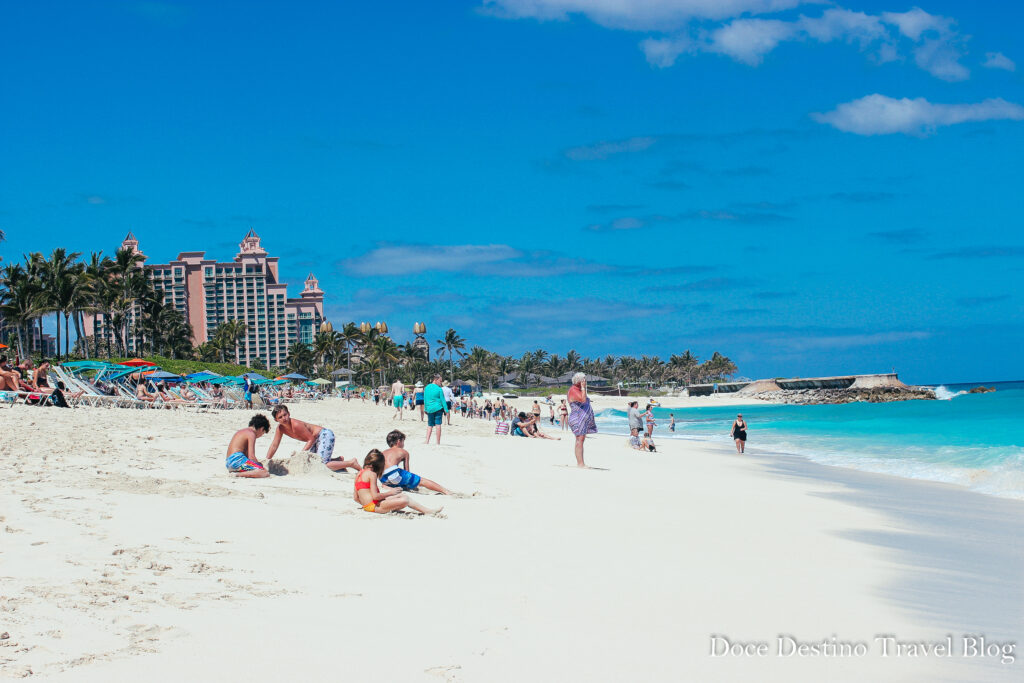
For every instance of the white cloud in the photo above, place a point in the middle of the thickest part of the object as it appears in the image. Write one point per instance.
(997, 60)
(916, 22)
(843, 24)
(749, 40)
(880, 115)
(605, 149)
(941, 58)
(417, 258)
(731, 27)
(663, 52)
(637, 15)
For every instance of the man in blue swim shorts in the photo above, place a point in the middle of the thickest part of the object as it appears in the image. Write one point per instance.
(319, 440)
(395, 458)
(241, 460)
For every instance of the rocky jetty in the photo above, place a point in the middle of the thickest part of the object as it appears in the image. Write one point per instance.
(981, 390)
(880, 394)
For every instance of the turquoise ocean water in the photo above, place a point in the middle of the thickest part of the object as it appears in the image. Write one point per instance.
(974, 440)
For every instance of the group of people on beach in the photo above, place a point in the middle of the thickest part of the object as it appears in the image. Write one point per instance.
(390, 467)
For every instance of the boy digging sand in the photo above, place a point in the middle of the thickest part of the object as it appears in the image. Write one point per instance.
(395, 458)
(318, 439)
(241, 460)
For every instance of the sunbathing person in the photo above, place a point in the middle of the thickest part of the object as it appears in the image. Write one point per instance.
(8, 376)
(372, 498)
(143, 395)
(395, 459)
(241, 460)
(318, 439)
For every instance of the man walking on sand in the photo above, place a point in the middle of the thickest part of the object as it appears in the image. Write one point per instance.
(241, 460)
(396, 468)
(435, 406)
(397, 398)
(319, 440)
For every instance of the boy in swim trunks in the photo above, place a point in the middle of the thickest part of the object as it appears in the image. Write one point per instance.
(241, 460)
(395, 458)
(319, 440)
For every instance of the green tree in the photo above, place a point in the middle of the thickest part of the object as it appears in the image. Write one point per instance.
(454, 345)
(300, 359)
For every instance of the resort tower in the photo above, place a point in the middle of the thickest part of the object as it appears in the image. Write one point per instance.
(248, 289)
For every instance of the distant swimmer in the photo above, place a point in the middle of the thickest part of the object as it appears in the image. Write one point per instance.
(241, 460)
(739, 434)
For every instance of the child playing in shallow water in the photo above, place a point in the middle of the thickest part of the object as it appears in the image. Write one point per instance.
(372, 498)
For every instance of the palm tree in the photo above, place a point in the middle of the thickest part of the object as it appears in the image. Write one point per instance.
(572, 360)
(300, 359)
(21, 303)
(227, 335)
(527, 365)
(453, 344)
(61, 282)
(350, 336)
(385, 352)
(479, 360)
(682, 365)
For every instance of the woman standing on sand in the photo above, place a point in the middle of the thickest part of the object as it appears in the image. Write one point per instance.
(739, 434)
(581, 415)
(563, 416)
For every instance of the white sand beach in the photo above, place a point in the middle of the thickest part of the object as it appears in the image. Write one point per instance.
(129, 553)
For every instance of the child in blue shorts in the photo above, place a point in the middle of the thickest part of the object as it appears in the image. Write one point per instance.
(396, 458)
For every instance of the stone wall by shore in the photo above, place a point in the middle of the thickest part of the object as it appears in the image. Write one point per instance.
(881, 394)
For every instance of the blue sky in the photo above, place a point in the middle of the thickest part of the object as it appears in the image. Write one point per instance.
(808, 188)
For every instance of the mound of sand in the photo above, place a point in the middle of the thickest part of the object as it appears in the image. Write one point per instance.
(300, 463)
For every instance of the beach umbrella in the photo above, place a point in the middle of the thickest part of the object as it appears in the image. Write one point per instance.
(162, 374)
(138, 363)
(320, 380)
(201, 376)
(293, 375)
(254, 375)
(3, 346)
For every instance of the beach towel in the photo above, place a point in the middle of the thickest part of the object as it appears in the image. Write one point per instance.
(581, 418)
(501, 428)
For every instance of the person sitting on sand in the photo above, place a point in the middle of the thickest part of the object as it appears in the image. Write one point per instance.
(531, 427)
(318, 439)
(515, 429)
(241, 460)
(395, 459)
(372, 498)
(642, 443)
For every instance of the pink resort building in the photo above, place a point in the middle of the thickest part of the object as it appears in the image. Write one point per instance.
(248, 289)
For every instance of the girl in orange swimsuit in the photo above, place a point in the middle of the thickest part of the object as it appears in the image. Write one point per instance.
(373, 499)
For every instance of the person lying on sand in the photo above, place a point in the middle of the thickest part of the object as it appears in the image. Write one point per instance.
(241, 460)
(318, 439)
(372, 498)
(395, 459)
